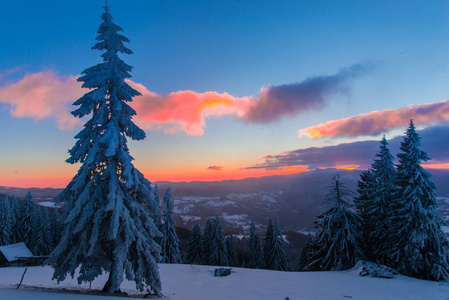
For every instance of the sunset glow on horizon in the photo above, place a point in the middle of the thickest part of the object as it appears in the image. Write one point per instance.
(315, 85)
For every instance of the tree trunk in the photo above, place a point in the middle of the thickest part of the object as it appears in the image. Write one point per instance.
(108, 286)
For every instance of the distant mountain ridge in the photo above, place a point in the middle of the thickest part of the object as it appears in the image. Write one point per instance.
(296, 199)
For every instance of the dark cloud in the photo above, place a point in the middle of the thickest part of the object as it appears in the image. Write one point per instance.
(434, 140)
(275, 102)
(215, 168)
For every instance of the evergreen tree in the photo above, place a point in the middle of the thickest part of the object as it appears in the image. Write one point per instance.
(27, 210)
(15, 215)
(379, 212)
(364, 202)
(268, 245)
(233, 259)
(194, 250)
(276, 255)
(218, 252)
(41, 240)
(304, 256)
(337, 246)
(56, 228)
(156, 217)
(108, 228)
(207, 243)
(170, 241)
(255, 254)
(6, 222)
(421, 248)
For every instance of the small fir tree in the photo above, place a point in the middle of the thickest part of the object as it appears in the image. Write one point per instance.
(7, 219)
(268, 244)
(56, 228)
(233, 259)
(218, 252)
(304, 256)
(41, 241)
(207, 242)
(170, 241)
(15, 211)
(108, 228)
(194, 249)
(337, 245)
(421, 248)
(255, 253)
(364, 202)
(27, 210)
(157, 219)
(277, 257)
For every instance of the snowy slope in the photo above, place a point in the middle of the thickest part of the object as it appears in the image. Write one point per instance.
(186, 282)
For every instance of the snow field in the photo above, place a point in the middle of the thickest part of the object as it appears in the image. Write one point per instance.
(192, 282)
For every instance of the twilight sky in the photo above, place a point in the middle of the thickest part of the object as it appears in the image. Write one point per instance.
(230, 89)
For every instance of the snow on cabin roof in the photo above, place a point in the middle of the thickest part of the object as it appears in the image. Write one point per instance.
(11, 252)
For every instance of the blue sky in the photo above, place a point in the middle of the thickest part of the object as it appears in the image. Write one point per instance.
(289, 58)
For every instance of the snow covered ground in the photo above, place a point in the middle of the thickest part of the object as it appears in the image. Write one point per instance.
(186, 282)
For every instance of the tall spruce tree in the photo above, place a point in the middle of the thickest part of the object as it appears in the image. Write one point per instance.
(218, 252)
(255, 253)
(108, 228)
(194, 248)
(170, 241)
(337, 245)
(379, 211)
(421, 248)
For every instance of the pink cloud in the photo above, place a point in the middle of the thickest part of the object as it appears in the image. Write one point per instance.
(377, 122)
(43, 95)
(184, 110)
(48, 95)
(215, 168)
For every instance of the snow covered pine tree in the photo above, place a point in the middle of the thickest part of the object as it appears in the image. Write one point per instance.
(421, 248)
(337, 246)
(255, 253)
(170, 241)
(218, 255)
(379, 211)
(376, 189)
(107, 226)
(276, 257)
(194, 248)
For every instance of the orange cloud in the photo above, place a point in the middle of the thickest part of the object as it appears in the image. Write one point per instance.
(378, 122)
(184, 110)
(43, 95)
